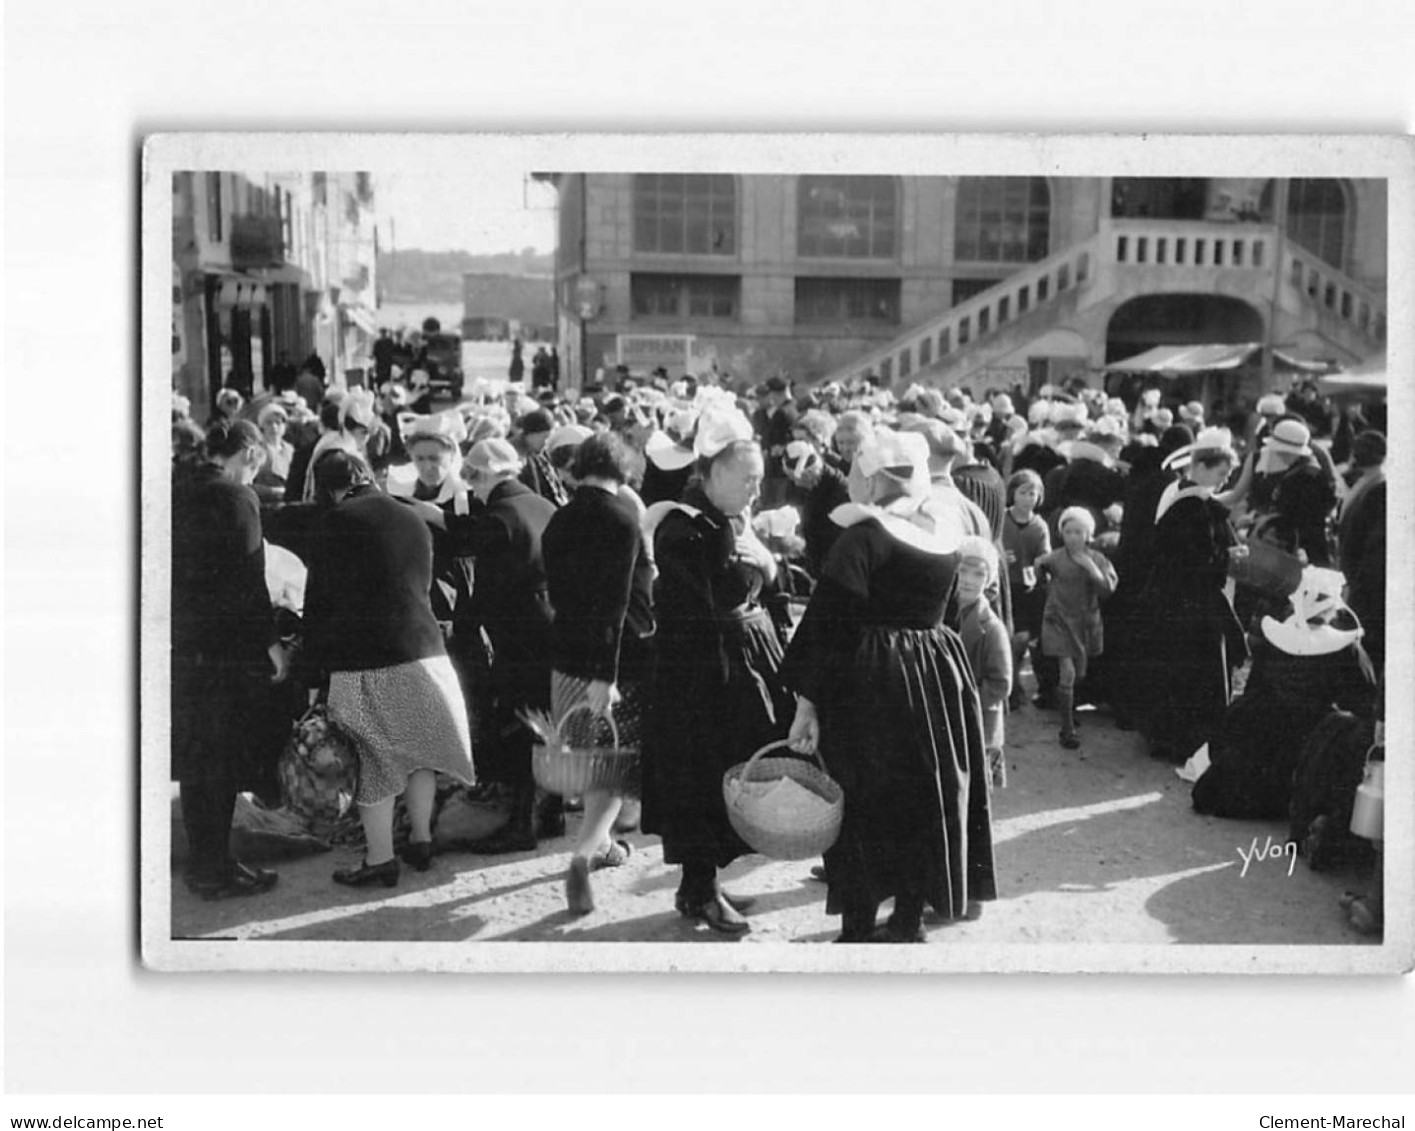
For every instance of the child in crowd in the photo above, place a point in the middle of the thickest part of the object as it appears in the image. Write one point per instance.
(985, 640)
(1025, 538)
(1078, 577)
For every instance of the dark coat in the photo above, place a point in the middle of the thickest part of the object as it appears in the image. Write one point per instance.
(1186, 636)
(222, 628)
(601, 586)
(1361, 541)
(1255, 752)
(717, 697)
(901, 726)
(367, 597)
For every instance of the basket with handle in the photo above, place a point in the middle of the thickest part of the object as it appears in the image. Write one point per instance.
(570, 769)
(767, 828)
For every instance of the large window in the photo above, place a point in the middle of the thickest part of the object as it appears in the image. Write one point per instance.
(1002, 220)
(683, 214)
(213, 206)
(827, 301)
(847, 217)
(684, 296)
(1316, 218)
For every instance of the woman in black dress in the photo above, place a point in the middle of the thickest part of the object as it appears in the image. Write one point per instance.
(887, 695)
(1186, 639)
(716, 694)
(225, 654)
(600, 582)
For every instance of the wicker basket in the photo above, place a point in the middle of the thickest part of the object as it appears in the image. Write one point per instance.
(769, 831)
(571, 771)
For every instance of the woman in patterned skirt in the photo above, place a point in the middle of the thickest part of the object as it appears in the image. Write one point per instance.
(369, 625)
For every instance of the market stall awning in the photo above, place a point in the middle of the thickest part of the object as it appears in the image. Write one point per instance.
(1369, 378)
(1175, 360)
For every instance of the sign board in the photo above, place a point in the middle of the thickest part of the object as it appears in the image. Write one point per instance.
(643, 353)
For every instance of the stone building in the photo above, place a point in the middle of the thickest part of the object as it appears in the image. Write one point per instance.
(962, 279)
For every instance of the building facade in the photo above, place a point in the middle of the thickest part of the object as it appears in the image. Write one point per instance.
(267, 270)
(944, 279)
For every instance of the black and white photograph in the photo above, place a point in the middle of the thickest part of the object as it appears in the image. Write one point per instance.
(825, 553)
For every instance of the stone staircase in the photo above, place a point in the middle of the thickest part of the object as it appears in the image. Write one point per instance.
(1080, 287)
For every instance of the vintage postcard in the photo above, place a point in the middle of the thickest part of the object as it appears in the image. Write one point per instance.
(751, 553)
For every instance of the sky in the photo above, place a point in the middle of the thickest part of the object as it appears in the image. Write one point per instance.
(481, 211)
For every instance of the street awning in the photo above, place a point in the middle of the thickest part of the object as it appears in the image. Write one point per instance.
(1290, 360)
(1172, 361)
(1367, 379)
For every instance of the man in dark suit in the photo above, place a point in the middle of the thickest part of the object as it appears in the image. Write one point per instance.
(510, 602)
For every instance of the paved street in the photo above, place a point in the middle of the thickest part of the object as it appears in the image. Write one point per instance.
(1093, 846)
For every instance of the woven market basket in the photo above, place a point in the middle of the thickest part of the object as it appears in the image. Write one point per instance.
(769, 831)
(572, 770)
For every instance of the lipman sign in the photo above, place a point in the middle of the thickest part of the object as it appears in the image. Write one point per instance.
(676, 353)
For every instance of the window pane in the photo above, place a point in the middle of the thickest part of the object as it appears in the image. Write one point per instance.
(1002, 219)
(846, 217)
(681, 214)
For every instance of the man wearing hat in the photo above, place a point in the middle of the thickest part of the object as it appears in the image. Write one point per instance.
(1290, 484)
(510, 603)
(773, 423)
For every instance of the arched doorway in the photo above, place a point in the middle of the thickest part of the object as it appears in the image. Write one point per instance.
(1182, 320)
(1317, 216)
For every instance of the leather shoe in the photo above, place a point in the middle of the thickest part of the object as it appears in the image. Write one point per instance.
(579, 893)
(417, 854)
(716, 913)
(237, 882)
(367, 874)
(889, 934)
(616, 855)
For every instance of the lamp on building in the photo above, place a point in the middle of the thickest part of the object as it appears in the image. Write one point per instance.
(589, 304)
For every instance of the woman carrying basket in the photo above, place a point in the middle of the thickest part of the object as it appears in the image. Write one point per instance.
(717, 697)
(887, 695)
(600, 581)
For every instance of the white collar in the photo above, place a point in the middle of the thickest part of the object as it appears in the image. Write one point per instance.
(908, 520)
(666, 454)
(1173, 493)
(1308, 640)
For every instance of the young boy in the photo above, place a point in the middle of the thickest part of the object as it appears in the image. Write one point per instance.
(1071, 623)
(1025, 538)
(986, 642)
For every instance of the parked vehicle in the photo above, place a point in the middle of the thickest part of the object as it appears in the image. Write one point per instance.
(441, 357)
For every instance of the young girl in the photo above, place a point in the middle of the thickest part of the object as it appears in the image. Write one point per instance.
(1071, 622)
(986, 642)
(1025, 538)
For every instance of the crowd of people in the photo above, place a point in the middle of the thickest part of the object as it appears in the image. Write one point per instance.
(876, 578)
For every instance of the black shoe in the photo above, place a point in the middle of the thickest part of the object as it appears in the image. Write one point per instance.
(417, 854)
(818, 873)
(238, 881)
(716, 913)
(1069, 740)
(892, 934)
(367, 874)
